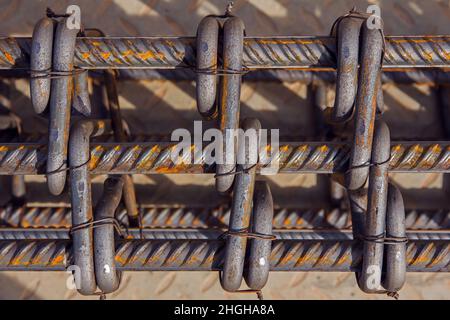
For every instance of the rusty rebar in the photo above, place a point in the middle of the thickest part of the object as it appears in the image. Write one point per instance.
(241, 212)
(207, 47)
(41, 63)
(60, 107)
(81, 101)
(106, 275)
(129, 193)
(430, 76)
(348, 30)
(375, 218)
(229, 100)
(293, 157)
(205, 234)
(395, 252)
(258, 257)
(304, 52)
(81, 199)
(365, 106)
(189, 255)
(176, 216)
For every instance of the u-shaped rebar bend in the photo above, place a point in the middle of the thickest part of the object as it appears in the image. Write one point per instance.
(81, 199)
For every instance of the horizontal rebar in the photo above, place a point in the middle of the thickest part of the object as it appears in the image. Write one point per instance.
(216, 217)
(209, 234)
(203, 255)
(293, 157)
(429, 76)
(259, 52)
(403, 76)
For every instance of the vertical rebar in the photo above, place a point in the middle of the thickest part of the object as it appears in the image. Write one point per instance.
(348, 30)
(129, 194)
(207, 49)
(41, 63)
(60, 102)
(371, 52)
(259, 254)
(375, 222)
(107, 276)
(244, 185)
(233, 37)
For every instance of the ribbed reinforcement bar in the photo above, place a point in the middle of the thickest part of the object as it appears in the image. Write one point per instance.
(431, 76)
(293, 157)
(204, 255)
(259, 52)
(402, 75)
(216, 217)
(210, 234)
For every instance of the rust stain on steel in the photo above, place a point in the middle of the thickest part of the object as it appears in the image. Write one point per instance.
(282, 41)
(343, 259)
(209, 259)
(96, 156)
(287, 258)
(423, 39)
(58, 260)
(423, 257)
(405, 53)
(146, 162)
(120, 260)
(17, 259)
(223, 105)
(150, 55)
(105, 55)
(414, 156)
(436, 260)
(126, 53)
(9, 57)
(430, 156)
(287, 222)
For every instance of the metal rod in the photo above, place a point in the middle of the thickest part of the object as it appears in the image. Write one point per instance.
(106, 275)
(60, 107)
(129, 194)
(258, 255)
(404, 75)
(201, 255)
(429, 76)
(81, 101)
(81, 199)
(41, 63)
(395, 253)
(176, 216)
(365, 107)
(294, 157)
(303, 52)
(348, 30)
(375, 218)
(229, 100)
(206, 79)
(241, 212)
(206, 234)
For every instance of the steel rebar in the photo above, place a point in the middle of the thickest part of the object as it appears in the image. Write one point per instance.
(430, 76)
(259, 52)
(206, 234)
(60, 107)
(241, 213)
(315, 157)
(186, 255)
(215, 217)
